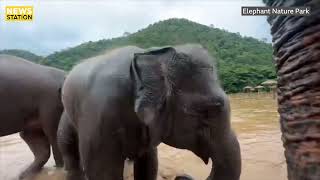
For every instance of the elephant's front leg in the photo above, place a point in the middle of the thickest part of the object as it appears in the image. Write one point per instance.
(101, 160)
(146, 166)
(98, 166)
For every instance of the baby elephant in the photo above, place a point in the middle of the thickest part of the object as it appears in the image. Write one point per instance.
(30, 103)
(124, 103)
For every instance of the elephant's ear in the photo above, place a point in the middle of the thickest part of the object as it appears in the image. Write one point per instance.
(148, 71)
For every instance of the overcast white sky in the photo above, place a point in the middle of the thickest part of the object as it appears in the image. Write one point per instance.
(59, 24)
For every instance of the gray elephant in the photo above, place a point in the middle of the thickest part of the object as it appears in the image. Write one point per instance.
(30, 101)
(124, 103)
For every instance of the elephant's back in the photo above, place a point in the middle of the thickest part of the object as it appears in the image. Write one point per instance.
(17, 67)
(113, 63)
(107, 71)
(18, 74)
(115, 57)
(24, 81)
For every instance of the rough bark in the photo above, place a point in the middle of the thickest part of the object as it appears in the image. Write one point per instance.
(296, 42)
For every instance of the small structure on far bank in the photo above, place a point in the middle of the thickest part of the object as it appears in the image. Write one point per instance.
(259, 88)
(248, 89)
(271, 85)
(267, 86)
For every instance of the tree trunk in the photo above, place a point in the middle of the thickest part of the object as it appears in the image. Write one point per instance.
(296, 42)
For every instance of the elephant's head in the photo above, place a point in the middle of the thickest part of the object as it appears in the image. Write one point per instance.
(180, 102)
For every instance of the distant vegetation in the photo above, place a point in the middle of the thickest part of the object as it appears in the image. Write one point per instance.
(241, 61)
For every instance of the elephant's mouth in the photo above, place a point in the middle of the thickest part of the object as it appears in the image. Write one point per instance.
(203, 150)
(204, 156)
(204, 147)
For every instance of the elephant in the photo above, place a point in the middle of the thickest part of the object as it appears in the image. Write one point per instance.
(296, 42)
(124, 103)
(30, 101)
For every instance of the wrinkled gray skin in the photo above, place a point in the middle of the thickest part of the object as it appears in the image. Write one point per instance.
(30, 101)
(124, 103)
(296, 44)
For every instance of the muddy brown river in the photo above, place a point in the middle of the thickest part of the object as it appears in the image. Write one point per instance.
(254, 118)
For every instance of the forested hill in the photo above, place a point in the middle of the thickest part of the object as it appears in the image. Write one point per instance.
(23, 54)
(241, 60)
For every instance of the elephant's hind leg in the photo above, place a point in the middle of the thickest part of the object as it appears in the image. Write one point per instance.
(50, 122)
(40, 147)
(68, 144)
(55, 151)
(51, 133)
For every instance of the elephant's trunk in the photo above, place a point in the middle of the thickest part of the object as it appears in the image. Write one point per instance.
(224, 150)
(222, 144)
(297, 55)
(226, 158)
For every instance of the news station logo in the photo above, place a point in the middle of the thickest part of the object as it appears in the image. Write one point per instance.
(19, 13)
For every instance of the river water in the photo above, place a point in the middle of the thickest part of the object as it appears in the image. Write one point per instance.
(254, 118)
